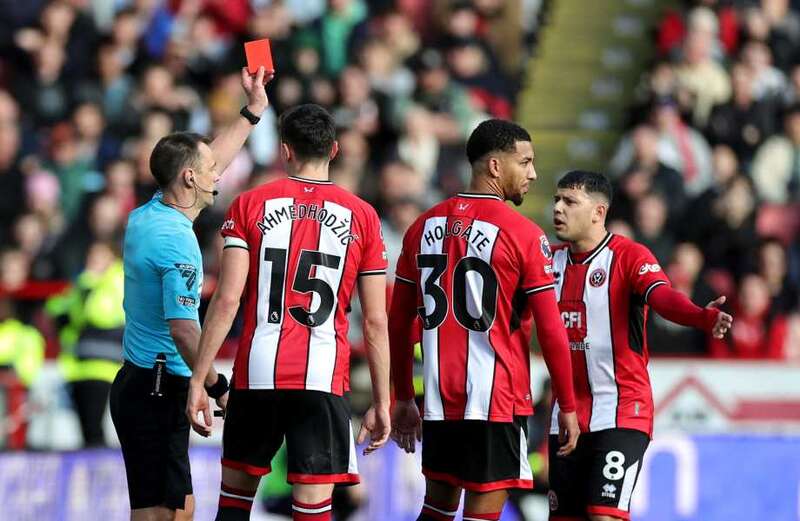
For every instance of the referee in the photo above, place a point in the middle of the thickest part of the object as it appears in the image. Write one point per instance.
(163, 281)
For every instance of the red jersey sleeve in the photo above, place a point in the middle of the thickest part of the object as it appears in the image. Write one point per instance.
(643, 270)
(373, 260)
(233, 228)
(404, 324)
(537, 262)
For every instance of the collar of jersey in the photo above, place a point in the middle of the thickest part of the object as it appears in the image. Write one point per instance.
(159, 199)
(470, 195)
(595, 252)
(312, 181)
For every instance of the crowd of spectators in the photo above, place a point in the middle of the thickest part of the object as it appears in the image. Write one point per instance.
(709, 175)
(88, 87)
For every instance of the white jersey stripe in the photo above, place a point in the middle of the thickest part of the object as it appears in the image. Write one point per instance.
(235, 242)
(322, 338)
(600, 354)
(653, 286)
(481, 357)
(407, 281)
(429, 243)
(372, 272)
(533, 291)
(264, 347)
(560, 261)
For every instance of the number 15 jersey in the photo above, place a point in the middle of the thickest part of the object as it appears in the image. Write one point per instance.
(308, 242)
(474, 260)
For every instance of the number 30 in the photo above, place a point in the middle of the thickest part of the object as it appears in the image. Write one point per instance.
(437, 263)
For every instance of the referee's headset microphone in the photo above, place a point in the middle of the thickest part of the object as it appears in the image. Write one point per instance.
(197, 187)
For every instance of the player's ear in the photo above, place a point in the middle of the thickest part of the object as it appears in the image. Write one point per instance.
(334, 150)
(600, 212)
(286, 152)
(494, 167)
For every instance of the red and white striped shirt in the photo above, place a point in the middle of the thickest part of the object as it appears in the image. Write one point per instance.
(473, 260)
(308, 242)
(603, 301)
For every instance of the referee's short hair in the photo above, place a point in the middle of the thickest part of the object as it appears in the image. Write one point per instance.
(309, 130)
(494, 135)
(173, 153)
(590, 182)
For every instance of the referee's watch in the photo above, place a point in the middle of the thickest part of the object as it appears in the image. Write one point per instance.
(219, 388)
(249, 116)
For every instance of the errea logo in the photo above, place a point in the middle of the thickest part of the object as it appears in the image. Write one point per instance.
(652, 268)
(609, 491)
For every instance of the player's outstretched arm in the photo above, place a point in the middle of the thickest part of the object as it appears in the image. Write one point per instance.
(219, 318)
(406, 422)
(555, 349)
(228, 143)
(376, 424)
(676, 307)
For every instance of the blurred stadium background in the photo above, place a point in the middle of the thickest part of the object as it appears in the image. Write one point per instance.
(691, 107)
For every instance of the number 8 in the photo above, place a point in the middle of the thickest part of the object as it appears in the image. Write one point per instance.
(613, 469)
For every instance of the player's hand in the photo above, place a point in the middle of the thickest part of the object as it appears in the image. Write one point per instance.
(568, 432)
(253, 86)
(377, 425)
(222, 403)
(198, 402)
(724, 320)
(406, 425)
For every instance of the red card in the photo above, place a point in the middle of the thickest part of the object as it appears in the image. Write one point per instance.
(258, 54)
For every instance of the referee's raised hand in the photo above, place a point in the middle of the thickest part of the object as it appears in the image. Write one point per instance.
(254, 88)
(198, 402)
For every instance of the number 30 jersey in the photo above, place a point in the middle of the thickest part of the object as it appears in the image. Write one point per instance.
(308, 242)
(474, 260)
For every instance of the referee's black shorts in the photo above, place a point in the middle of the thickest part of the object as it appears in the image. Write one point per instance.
(154, 434)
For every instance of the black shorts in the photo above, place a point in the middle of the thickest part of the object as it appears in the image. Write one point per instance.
(477, 455)
(319, 436)
(599, 476)
(154, 434)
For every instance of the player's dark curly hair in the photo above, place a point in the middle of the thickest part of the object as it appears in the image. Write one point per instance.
(591, 182)
(309, 130)
(494, 135)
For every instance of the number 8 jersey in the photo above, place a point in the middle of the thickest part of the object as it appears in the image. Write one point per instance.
(308, 242)
(474, 260)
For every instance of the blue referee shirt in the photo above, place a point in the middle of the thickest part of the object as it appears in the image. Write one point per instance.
(163, 279)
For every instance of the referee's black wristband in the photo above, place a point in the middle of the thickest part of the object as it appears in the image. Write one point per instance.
(249, 116)
(219, 388)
